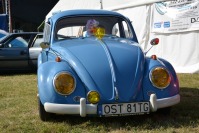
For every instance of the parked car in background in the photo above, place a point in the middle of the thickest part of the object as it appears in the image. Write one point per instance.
(3, 33)
(20, 50)
(92, 65)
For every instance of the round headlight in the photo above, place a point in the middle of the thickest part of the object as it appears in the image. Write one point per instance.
(64, 83)
(93, 97)
(160, 77)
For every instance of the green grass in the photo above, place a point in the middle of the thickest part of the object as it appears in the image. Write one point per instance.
(19, 112)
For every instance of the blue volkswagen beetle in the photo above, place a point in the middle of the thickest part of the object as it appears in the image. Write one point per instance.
(92, 65)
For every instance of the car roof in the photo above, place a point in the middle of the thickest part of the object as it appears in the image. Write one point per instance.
(83, 12)
(23, 33)
(19, 33)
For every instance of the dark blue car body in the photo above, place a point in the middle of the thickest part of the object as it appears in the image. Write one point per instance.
(19, 51)
(104, 74)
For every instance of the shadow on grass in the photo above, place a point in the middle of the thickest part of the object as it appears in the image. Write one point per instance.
(184, 114)
(17, 72)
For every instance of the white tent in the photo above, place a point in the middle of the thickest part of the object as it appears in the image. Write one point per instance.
(181, 49)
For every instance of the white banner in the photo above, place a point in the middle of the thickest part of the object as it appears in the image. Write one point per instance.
(175, 16)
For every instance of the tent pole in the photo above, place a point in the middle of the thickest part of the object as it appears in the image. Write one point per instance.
(10, 20)
(101, 4)
(8, 12)
(3, 7)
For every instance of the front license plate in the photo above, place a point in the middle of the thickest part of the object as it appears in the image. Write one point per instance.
(125, 108)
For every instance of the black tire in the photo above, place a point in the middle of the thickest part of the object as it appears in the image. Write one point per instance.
(44, 116)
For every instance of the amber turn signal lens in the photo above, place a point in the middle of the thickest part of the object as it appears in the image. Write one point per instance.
(58, 59)
(93, 97)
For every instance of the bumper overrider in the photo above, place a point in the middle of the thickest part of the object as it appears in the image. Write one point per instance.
(91, 109)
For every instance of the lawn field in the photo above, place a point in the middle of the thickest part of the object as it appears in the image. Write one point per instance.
(19, 112)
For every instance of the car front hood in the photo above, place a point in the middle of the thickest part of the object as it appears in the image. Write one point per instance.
(113, 67)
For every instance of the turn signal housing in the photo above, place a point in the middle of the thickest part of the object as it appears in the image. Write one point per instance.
(160, 77)
(93, 97)
(64, 83)
(58, 59)
(154, 57)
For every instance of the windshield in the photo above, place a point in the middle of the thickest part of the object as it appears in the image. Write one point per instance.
(99, 26)
(2, 37)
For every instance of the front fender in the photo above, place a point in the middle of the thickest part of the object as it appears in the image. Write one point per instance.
(148, 88)
(45, 75)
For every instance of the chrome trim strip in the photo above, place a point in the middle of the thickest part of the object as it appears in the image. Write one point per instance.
(116, 94)
(109, 59)
(103, 44)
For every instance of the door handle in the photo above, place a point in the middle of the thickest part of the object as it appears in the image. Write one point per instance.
(23, 52)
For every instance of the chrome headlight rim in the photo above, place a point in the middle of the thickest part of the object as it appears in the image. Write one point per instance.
(90, 93)
(64, 72)
(150, 77)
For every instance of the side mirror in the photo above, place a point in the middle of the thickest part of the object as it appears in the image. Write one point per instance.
(44, 45)
(154, 41)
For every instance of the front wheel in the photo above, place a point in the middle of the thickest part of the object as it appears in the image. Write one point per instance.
(44, 116)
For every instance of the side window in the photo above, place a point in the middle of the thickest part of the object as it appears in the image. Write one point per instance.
(69, 32)
(115, 30)
(18, 41)
(127, 31)
(1, 35)
(37, 40)
(122, 30)
(47, 29)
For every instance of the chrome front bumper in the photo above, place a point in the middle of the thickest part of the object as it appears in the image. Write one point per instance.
(163, 103)
(84, 109)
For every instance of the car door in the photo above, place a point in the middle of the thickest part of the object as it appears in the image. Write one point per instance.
(14, 52)
(35, 49)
